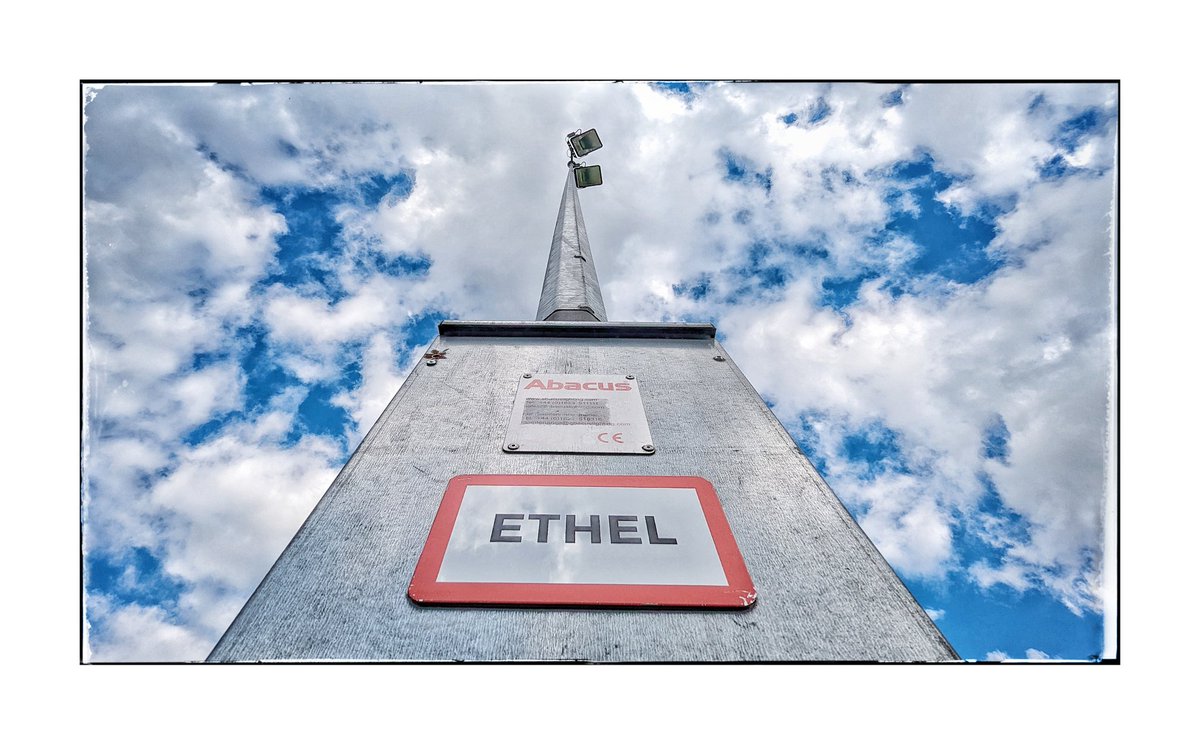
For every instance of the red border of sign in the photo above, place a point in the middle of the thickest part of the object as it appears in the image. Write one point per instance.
(426, 590)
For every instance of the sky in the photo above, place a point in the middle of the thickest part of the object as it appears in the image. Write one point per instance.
(917, 278)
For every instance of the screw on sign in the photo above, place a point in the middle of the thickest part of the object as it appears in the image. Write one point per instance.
(432, 356)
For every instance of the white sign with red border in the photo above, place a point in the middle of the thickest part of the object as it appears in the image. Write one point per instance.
(618, 541)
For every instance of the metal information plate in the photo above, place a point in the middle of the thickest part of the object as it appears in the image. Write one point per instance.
(559, 413)
(627, 541)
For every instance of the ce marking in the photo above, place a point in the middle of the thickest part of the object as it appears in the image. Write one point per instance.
(615, 437)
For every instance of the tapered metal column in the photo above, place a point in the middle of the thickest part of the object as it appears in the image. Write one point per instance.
(571, 291)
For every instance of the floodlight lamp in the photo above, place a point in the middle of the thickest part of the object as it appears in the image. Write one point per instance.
(582, 144)
(586, 176)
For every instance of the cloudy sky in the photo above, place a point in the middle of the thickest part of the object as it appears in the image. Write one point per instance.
(917, 278)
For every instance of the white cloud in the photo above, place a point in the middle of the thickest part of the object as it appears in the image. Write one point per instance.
(381, 378)
(935, 614)
(1031, 655)
(1031, 345)
(134, 633)
(296, 319)
(236, 502)
(208, 391)
(1010, 574)
(225, 513)
(909, 529)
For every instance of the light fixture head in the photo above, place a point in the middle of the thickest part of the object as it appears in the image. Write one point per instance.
(582, 144)
(586, 176)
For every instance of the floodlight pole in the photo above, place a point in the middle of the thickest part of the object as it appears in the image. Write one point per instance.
(571, 289)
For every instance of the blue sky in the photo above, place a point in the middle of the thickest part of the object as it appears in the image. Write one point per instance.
(915, 277)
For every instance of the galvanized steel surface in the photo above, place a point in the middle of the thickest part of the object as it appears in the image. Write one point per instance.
(570, 290)
(338, 590)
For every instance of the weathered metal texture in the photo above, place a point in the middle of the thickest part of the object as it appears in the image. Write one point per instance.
(339, 589)
(570, 290)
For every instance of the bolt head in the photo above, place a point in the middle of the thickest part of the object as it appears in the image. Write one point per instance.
(629, 377)
(512, 446)
(718, 358)
(648, 448)
(430, 363)
(527, 375)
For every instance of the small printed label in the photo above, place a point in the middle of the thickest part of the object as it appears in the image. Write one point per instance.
(561, 413)
(565, 411)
